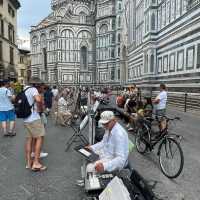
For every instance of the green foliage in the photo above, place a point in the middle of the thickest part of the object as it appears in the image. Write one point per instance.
(17, 87)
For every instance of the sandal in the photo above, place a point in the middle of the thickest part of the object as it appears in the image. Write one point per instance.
(28, 167)
(39, 169)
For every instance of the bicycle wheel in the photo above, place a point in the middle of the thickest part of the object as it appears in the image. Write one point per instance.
(140, 141)
(171, 158)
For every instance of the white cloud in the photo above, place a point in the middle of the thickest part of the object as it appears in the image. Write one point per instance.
(23, 40)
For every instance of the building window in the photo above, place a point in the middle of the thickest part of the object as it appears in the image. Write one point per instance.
(153, 22)
(11, 11)
(160, 65)
(1, 2)
(119, 38)
(172, 62)
(1, 26)
(1, 51)
(119, 22)
(43, 41)
(113, 24)
(113, 38)
(112, 74)
(82, 17)
(21, 59)
(165, 64)
(146, 64)
(180, 60)
(83, 58)
(152, 63)
(120, 6)
(11, 55)
(112, 53)
(11, 33)
(103, 29)
(198, 56)
(44, 51)
(22, 72)
(190, 57)
(118, 73)
(119, 51)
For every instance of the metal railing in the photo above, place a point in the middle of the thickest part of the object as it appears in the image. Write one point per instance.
(185, 101)
(182, 100)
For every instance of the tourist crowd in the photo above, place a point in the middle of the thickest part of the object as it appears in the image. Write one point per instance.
(65, 104)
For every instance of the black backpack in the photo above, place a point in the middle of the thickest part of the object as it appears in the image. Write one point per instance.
(22, 106)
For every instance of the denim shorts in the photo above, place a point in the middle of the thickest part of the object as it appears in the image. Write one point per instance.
(7, 116)
(160, 114)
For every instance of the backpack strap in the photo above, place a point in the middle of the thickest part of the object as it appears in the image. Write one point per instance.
(27, 88)
(32, 106)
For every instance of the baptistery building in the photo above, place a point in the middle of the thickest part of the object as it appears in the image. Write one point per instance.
(79, 43)
(164, 43)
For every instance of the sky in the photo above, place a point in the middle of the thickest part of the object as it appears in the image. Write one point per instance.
(31, 13)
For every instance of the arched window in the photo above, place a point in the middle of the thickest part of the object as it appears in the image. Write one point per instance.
(67, 45)
(34, 44)
(153, 22)
(120, 6)
(82, 17)
(34, 40)
(152, 63)
(83, 58)
(52, 41)
(52, 46)
(43, 41)
(84, 39)
(119, 37)
(103, 29)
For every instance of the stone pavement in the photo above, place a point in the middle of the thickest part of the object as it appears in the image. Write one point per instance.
(186, 186)
(57, 183)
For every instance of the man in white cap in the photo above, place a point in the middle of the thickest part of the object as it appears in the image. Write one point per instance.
(113, 149)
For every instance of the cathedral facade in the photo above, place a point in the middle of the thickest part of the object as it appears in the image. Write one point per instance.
(79, 43)
(164, 43)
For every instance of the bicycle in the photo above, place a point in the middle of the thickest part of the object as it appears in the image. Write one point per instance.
(169, 149)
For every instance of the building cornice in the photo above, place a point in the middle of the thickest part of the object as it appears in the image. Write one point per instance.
(15, 3)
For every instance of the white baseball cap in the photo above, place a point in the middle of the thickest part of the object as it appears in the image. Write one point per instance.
(106, 116)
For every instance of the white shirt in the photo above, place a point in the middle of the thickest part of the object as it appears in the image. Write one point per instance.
(30, 93)
(5, 102)
(113, 148)
(62, 105)
(55, 92)
(162, 96)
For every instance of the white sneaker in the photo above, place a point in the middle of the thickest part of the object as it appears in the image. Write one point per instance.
(42, 155)
(80, 183)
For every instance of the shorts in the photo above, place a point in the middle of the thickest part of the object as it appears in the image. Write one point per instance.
(7, 116)
(160, 114)
(35, 129)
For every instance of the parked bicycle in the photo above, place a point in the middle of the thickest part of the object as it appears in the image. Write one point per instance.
(170, 153)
